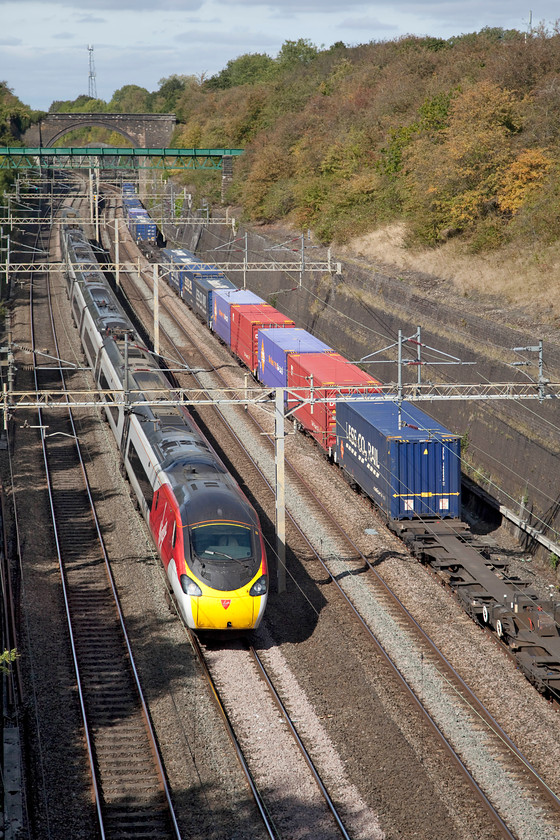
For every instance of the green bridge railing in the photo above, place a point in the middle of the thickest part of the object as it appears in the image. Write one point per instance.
(106, 157)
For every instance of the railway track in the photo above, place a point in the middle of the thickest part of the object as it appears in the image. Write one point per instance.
(128, 784)
(305, 753)
(512, 777)
(278, 821)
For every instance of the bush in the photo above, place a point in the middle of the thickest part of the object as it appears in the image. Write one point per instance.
(488, 235)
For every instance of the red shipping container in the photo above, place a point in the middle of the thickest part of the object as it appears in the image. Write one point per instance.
(246, 321)
(331, 375)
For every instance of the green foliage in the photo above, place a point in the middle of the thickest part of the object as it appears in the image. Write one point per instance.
(434, 112)
(248, 69)
(256, 68)
(341, 70)
(489, 234)
(412, 42)
(297, 53)
(169, 93)
(7, 657)
(130, 99)
(554, 561)
(15, 117)
(456, 137)
(391, 160)
(81, 105)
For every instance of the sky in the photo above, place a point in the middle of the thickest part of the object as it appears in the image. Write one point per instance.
(44, 45)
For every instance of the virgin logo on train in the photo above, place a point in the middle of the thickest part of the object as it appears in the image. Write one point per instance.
(162, 533)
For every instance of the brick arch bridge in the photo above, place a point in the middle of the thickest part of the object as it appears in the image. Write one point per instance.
(142, 130)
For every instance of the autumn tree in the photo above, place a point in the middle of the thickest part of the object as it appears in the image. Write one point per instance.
(454, 173)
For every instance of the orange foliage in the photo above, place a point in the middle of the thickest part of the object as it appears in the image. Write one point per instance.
(527, 172)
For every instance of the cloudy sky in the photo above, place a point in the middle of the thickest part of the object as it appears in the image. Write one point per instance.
(44, 55)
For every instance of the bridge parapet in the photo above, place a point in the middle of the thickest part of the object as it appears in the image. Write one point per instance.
(142, 130)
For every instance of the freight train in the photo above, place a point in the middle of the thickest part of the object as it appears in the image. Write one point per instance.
(206, 532)
(406, 461)
(401, 458)
(142, 227)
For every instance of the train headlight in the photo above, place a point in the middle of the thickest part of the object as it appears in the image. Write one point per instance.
(189, 587)
(260, 586)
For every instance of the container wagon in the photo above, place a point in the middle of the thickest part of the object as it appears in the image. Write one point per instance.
(403, 459)
(275, 347)
(173, 260)
(246, 321)
(199, 282)
(224, 300)
(142, 228)
(324, 376)
(130, 203)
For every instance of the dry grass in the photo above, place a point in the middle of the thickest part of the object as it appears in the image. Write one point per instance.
(519, 278)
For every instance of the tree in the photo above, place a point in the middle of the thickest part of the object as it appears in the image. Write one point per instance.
(69, 105)
(292, 53)
(170, 90)
(454, 174)
(15, 117)
(130, 99)
(248, 69)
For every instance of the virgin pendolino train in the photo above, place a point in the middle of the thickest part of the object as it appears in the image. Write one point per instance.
(207, 533)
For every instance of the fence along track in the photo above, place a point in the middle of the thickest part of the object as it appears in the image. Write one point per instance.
(129, 787)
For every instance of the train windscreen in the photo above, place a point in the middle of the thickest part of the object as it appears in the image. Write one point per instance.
(221, 540)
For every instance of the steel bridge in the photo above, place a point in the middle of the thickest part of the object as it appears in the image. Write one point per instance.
(107, 157)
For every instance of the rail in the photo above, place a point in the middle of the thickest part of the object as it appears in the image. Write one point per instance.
(91, 605)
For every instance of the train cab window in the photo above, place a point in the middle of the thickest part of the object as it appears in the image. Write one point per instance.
(221, 540)
(174, 535)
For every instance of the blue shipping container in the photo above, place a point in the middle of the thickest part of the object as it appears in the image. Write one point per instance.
(137, 214)
(173, 260)
(137, 211)
(129, 202)
(223, 301)
(192, 268)
(168, 273)
(143, 229)
(275, 346)
(199, 288)
(414, 470)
